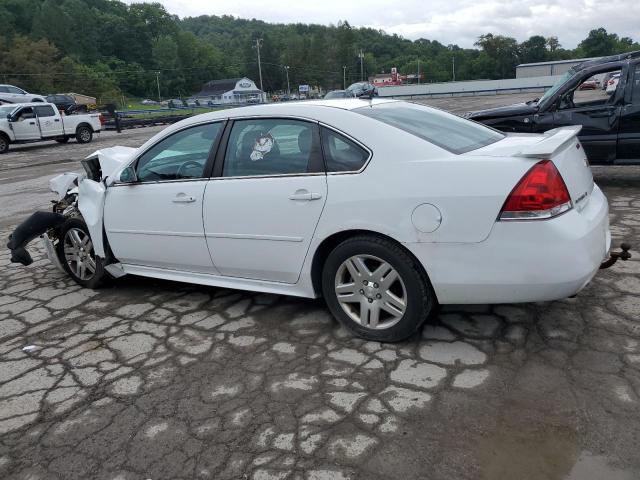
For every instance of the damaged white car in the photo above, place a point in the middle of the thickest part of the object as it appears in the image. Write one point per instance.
(385, 208)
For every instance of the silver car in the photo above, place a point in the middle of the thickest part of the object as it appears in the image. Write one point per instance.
(11, 94)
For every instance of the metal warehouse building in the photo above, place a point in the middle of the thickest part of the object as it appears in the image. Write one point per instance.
(544, 69)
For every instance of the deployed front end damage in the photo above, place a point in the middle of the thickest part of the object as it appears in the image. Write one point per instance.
(79, 195)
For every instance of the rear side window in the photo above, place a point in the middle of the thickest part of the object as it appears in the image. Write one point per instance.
(45, 111)
(259, 147)
(342, 154)
(445, 130)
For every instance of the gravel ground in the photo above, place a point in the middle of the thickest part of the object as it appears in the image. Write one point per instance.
(148, 379)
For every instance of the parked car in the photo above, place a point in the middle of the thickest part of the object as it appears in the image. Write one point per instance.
(147, 101)
(33, 122)
(385, 208)
(590, 84)
(339, 94)
(610, 124)
(66, 103)
(612, 84)
(12, 94)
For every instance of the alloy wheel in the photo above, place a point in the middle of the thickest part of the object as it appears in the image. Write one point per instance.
(78, 253)
(371, 292)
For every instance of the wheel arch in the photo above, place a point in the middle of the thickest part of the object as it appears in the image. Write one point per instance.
(84, 124)
(329, 243)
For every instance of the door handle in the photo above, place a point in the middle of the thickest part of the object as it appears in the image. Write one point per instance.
(183, 199)
(305, 195)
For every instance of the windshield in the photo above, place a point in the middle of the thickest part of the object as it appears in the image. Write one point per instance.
(556, 86)
(6, 110)
(443, 129)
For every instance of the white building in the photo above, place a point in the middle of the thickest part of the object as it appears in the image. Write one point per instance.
(547, 69)
(230, 91)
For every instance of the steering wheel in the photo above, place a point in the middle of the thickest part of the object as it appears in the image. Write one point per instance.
(185, 165)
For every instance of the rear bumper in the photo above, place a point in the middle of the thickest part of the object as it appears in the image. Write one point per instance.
(526, 261)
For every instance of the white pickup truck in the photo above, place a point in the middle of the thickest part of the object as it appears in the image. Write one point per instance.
(33, 122)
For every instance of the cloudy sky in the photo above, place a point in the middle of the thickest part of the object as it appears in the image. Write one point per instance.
(451, 21)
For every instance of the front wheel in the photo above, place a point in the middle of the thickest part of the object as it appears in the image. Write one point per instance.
(75, 252)
(84, 134)
(376, 289)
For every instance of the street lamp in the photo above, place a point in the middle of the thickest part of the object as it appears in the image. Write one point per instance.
(286, 69)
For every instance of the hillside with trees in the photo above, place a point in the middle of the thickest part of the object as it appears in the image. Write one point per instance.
(108, 49)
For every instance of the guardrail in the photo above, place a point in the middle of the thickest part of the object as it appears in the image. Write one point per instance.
(156, 116)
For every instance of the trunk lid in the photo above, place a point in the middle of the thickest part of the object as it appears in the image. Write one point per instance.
(559, 145)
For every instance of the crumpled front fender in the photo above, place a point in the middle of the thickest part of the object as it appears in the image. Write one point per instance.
(91, 197)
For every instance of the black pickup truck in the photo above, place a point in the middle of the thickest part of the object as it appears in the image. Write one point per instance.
(607, 106)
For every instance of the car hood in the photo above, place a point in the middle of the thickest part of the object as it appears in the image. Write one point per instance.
(509, 110)
(105, 163)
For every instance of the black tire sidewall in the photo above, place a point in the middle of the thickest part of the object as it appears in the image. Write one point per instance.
(79, 134)
(421, 300)
(4, 144)
(99, 275)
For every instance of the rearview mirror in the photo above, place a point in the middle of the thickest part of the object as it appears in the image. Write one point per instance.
(128, 175)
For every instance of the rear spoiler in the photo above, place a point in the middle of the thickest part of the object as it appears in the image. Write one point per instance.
(552, 141)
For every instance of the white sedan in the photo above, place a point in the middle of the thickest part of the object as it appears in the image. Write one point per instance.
(385, 208)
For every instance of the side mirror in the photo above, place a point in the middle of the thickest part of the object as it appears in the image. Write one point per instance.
(128, 175)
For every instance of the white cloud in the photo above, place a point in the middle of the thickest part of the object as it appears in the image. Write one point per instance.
(453, 21)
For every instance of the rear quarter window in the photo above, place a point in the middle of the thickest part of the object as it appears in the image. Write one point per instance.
(443, 129)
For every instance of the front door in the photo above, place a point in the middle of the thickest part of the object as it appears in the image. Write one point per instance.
(262, 210)
(157, 220)
(629, 133)
(598, 112)
(25, 124)
(50, 123)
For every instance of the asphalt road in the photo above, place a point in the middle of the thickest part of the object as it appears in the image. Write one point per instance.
(147, 379)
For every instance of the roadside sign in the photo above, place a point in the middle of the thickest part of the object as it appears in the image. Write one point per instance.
(303, 88)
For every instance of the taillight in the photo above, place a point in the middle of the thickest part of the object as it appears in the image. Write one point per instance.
(540, 194)
(102, 120)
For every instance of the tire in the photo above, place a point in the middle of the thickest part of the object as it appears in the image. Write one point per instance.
(37, 100)
(4, 144)
(62, 140)
(75, 228)
(402, 303)
(84, 134)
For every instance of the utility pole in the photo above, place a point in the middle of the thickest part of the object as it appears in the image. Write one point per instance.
(453, 68)
(361, 55)
(158, 84)
(344, 77)
(258, 45)
(286, 69)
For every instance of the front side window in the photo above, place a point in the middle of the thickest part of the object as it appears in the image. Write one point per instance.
(445, 130)
(594, 91)
(182, 155)
(272, 147)
(45, 111)
(25, 114)
(342, 154)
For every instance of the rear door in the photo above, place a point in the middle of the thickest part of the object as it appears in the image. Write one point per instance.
(262, 209)
(49, 121)
(629, 133)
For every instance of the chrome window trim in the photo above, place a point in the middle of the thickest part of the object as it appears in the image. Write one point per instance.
(354, 140)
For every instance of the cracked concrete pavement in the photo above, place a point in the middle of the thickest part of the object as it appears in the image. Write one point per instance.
(153, 379)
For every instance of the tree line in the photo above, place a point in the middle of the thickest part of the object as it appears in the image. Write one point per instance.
(107, 48)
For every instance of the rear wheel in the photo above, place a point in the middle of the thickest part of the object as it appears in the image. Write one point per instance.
(376, 289)
(75, 252)
(84, 134)
(4, 144)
